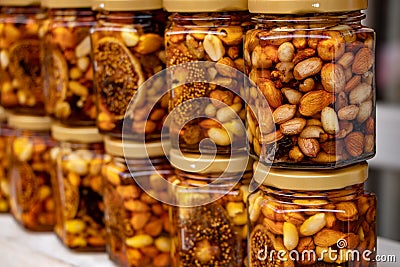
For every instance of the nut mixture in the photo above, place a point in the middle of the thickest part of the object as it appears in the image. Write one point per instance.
(80, 217)
(31, 193)
(67, 66)
(327, 227)
(127, 51)
(21, 84)
(138, 225)
(213, 234)
(214, 38)
(319, 83)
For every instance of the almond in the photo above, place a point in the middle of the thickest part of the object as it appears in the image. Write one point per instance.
(303, 54)
(293, 96)
(352, 83)
(352, 240)
(363, 61)
(346, 60)
(312, 132)
(370, 126)
(354, 143)
(329, 120)
(365, 111)
(307, 68)
(361, 93)
(341, 101)
(293, 126)
(284, 113)
(347, 211)
(345, 127)
(314, 102)
(309, 146)
(274, 227)
(273, 95)
(327, 237)
(333, 78)
(348, 113)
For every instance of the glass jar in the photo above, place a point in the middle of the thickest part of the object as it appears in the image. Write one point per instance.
(206, 97)
(315, 67)
(210, 216)
(138, 225)
(31, 193)
(5, 139)
(311, 218)
(79, 188)
(67, 64)
(128, 49)
(20, 75)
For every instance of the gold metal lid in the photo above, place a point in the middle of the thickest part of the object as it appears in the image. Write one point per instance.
(200, 163)
(126, 5)
(66, 3)
(305, 6)
(19, 2)
(82, 134)
(34, 123)
(134, 150)
(311, 180)
(205, 5)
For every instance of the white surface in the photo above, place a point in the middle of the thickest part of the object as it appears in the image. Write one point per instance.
(388, 137)
(19, 248)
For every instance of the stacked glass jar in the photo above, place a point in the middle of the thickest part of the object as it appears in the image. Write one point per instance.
(30, 172)
(78, 187)
(128, 57)
(313, 65)
(4, 162)
(204, 51)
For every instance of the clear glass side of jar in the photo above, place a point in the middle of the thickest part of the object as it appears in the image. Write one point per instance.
(6, 137)
(222, 223)
(31, 168)
(128, 49)
(21, 82)
(333, 228)
(138, 226)
(317, 73)
(79, 196)
(215, 38)
(67, 66)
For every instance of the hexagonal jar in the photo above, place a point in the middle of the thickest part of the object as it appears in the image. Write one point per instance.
(128, 50)
(314, 67)
(78, 188)
(204, 51)
(21, 82)
(138, 224)
(31, 192)
(209, 217)
(309, 218)
(67, 65)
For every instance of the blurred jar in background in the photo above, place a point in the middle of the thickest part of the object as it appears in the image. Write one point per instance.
(21, 82)
(5, 138)
(67, 65)
(31, 193)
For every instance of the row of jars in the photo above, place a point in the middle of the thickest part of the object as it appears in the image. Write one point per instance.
(206, 216)
(309, 100)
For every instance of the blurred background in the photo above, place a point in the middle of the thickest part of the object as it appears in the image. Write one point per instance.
(384, 178)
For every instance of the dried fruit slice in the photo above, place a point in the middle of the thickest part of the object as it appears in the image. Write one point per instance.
(60, 72)
(118, 74)
(71, 198)
(25, 66)
(26, 191)
(259, 240)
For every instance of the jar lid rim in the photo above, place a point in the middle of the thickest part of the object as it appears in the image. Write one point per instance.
(24, 122)
(126, 5)
(66, 3)
(311, 180)
(76, 134)
(201, 163)
(204, 5)
(135, 150)
(305, 6)
(19, 2)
